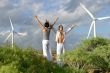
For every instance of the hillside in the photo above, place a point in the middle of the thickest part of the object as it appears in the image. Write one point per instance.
(91, 56)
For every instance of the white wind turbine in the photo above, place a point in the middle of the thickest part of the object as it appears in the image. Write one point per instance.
(12, 33)
(93, 24)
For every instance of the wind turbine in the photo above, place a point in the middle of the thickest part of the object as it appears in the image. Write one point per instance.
(94, 19)
(12, 33)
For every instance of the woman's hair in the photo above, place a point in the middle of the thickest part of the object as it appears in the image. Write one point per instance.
(60, 26)
(46, 24)
(60, 31)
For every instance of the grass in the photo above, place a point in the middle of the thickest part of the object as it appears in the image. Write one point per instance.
(91, 56)
(26, 60)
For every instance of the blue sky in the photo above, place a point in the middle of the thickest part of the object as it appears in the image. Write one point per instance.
(22, 13)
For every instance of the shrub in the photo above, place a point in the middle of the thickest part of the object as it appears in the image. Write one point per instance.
(9, 69)
(93, 43)
(18, 60)
(76, 58)
(92, 54)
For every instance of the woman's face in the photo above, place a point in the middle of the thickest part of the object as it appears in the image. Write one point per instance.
(61, 28)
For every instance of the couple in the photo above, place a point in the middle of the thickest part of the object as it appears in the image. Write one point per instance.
(60, 38)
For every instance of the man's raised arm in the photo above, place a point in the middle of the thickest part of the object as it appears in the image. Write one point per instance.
(39, 23)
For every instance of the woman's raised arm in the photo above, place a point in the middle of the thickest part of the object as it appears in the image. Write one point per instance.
(70, 28)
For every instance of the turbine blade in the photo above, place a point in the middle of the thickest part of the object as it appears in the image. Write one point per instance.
(102, 18)
(4, 33)
(22, 34)
(90, 29)
(91, 15)
(11, 24)
(8, 37)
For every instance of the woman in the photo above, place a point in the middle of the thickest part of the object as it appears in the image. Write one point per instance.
(46, 29)
(60, 39)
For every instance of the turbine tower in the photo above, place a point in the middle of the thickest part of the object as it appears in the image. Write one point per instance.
(12, 33)
(94, 19)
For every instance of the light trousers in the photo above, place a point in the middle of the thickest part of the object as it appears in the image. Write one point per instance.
(47, 50)
(60, 51)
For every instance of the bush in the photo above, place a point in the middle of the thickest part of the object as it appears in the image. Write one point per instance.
(93, 43)
(75, 58)
(104, 53)
(9, 69)
(18, 60)
(92, 54)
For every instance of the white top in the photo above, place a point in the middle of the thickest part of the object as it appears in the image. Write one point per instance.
(58, 34)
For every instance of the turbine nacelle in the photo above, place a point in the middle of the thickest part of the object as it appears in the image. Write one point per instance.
(95, 19)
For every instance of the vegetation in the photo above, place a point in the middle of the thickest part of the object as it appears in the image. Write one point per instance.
(18, 60)
(91, 56)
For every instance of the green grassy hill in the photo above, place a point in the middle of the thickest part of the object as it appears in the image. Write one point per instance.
(91, 56)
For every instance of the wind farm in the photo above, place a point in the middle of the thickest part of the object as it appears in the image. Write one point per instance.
(71, 36)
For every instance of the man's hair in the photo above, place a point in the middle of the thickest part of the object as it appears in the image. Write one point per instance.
(46, 24)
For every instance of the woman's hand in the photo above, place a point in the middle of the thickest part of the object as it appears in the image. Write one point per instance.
(35, 16)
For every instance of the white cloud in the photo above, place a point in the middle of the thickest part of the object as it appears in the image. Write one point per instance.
(3, 3)
(37, 7)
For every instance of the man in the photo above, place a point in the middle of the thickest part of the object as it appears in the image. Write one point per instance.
(46, 29)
